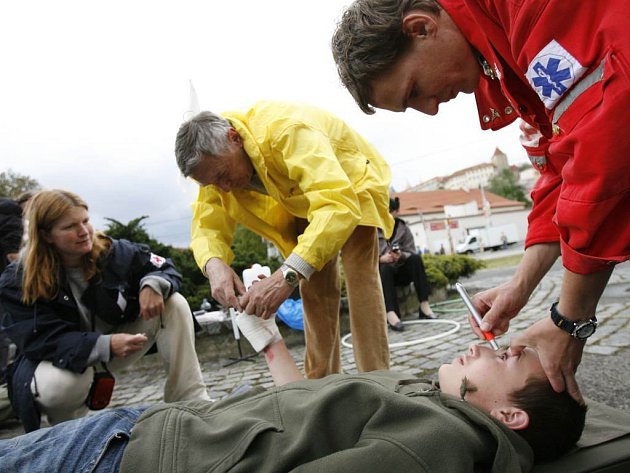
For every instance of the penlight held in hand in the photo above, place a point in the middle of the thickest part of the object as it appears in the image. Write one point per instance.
(471, 308)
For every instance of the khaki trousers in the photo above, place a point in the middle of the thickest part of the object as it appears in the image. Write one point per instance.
(320, 299)
(61, 393)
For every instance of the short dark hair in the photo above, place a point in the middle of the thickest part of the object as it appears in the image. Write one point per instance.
(556, 420)
(369, 39)
(394, 203)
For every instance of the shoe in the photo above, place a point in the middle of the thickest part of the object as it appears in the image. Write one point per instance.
(398, 326)
(422, 315)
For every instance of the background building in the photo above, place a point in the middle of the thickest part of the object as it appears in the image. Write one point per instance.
(442, 218)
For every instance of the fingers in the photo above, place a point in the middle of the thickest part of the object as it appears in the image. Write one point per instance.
(572, 388)
(518, 344)
(225, 285)
(555, 376)
(227, 297)
(124, 344)
(475, 328)
(491, 321)
(239, 286)
(515, 350)
(154, 309)
(258, 308)
(233, 301)
(151, 303)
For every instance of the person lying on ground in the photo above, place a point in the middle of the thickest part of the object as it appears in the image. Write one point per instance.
(376, 422)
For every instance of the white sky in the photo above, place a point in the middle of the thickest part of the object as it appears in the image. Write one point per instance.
(92, 94)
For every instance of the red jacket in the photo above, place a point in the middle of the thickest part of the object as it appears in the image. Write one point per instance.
(564, 68)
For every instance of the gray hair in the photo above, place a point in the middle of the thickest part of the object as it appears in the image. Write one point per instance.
(369, 39)
(205, 133)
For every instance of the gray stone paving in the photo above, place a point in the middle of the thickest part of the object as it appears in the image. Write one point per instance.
(604, 374)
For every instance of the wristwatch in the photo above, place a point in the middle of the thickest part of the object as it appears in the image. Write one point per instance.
(578, 329)
(291, 276)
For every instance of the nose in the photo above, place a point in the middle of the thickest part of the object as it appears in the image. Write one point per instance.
(473, 349)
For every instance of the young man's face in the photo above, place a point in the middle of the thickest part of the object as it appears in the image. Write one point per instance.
(231, 169)
(494, 374)
(438, 65)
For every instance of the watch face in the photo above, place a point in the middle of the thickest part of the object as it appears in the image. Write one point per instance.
(585, 330)
(291, 277)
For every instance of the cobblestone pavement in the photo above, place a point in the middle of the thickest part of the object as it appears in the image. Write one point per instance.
(603, 374)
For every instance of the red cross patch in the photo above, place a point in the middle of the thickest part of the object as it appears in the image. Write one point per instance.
(157, 260)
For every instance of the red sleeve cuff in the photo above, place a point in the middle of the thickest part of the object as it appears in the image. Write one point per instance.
(580, 263)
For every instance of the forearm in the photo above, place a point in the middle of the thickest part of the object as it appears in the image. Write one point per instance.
(580, 293)
(535, 263)
(281, 364)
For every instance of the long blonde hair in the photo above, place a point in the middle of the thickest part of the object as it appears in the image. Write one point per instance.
(40, 260)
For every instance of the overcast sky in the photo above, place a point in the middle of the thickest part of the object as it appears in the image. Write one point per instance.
(92, 94)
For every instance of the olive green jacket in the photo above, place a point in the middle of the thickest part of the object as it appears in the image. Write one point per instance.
(368, 423)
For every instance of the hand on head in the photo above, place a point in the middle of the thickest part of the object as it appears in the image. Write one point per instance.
(560, 354)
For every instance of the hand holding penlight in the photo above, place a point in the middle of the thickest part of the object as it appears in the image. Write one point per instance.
(489, 336)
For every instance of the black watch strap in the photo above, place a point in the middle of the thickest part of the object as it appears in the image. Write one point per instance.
(578, 329)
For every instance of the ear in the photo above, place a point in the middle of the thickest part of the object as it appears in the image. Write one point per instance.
(419, 23)
(513, 417)
(233, 136)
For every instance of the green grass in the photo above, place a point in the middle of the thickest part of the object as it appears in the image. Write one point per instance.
(503, 262)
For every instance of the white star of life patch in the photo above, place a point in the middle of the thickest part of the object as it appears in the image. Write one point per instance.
(552, 72)
(157, 260)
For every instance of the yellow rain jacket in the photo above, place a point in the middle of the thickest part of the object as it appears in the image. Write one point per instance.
(314, 167)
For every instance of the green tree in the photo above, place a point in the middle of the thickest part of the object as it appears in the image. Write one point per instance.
(12, 184)
(134, 231)
(505, 184)
(250, 248)
(194, 284)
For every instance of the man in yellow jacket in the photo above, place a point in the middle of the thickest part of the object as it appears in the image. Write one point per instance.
(304, 180)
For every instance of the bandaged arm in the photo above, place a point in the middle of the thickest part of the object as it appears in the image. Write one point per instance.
(264, 335)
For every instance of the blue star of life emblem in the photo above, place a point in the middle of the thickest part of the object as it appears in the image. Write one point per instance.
(550, 77)
(552, 72)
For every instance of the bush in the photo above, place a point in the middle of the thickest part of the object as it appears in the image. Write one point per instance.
(435, 276)
(448, 269)
(441, 270)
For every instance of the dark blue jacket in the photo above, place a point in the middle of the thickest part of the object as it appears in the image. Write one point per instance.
(50, 329)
